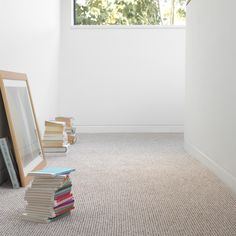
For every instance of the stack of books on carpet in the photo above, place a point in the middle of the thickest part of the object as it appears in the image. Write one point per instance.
(70, 128)
(49, 197)
(55, 140)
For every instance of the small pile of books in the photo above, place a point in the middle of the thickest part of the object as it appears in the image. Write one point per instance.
(70, 128)
(55, 141)
(49, 197)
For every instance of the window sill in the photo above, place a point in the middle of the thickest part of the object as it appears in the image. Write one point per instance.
(104, 27)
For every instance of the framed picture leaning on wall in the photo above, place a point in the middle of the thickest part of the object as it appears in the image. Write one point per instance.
(22, 123)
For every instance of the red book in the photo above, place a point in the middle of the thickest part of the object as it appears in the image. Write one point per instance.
(64, 201)
(64, 211)
(62, 197)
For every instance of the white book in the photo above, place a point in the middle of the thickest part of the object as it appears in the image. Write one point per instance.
(41, 219)
(49, 197)
(36, 219)
(34, 204)
(55, 154)
(48, 191)
(54, 138)
(41, 190)
(36, 199)
(56, 183)
(47, 181)
(49, 177)
(40, 215)
(52, 187)
(42, 212)
(31, 192)
(63, 149)
(55, 134)
(39, 195)
(43, 209)
(40, 203)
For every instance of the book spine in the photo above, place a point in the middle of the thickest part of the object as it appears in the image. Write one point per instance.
(8, 162)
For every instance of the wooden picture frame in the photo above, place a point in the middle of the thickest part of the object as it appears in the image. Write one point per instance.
(24, 130)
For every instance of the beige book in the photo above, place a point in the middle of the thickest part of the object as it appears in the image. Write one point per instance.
(55, 123)
(35, 218)
(59, 129)
(53, 144)
(66, 120)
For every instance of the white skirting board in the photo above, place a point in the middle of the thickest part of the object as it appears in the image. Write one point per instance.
(131, 129)
(220, 172)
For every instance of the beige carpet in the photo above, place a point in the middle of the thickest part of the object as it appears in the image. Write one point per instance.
(127, 184)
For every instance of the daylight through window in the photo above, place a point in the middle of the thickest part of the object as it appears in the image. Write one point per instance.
(129, 12)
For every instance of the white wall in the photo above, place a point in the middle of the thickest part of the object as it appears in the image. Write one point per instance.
(126, 80)
(210, 128)
(29, 43)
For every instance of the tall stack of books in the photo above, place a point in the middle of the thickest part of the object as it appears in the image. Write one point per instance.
(70, 128)
(55, 140)
(49, 197)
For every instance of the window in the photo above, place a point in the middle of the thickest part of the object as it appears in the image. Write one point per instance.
(129, 12)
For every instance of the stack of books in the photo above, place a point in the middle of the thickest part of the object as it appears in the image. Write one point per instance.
(55, 140)
(49, 197)
(70, 128)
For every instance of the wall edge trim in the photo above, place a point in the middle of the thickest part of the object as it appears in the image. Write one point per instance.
(220, 172)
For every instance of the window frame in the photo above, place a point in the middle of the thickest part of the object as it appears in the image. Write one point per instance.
(77, 26)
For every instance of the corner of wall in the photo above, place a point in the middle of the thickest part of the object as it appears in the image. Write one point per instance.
(220, 172)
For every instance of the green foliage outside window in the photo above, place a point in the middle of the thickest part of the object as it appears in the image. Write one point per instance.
(130, 12)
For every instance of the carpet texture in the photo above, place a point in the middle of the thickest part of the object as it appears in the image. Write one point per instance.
(132, 184)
